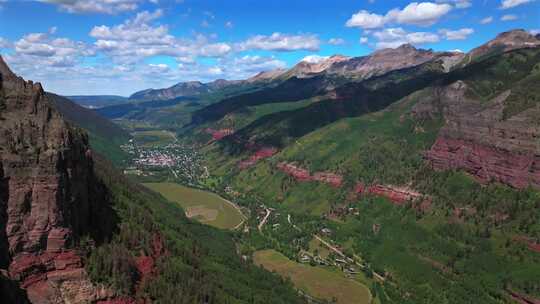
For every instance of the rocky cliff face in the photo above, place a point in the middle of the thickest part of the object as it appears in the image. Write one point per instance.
(310, 67)
(387, 60)
(478, 140)
(49, 196)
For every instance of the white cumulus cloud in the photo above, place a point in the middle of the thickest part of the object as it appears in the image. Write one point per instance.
(416, 13)
(460, 34)
(486, 20)
(138, 38)
(506, 4)
(96, 6)
(281, 42)
(314, 58)
(366, 20)
(509, 17)
(458, 3)
(336, 41)
(394, 37)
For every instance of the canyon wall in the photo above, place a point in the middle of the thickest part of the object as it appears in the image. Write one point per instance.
(477, 138)
(49, 197)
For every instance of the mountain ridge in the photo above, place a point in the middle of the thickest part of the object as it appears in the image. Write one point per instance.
(357, 68)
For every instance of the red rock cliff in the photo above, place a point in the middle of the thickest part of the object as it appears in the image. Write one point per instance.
(478, 140)
(49, 196)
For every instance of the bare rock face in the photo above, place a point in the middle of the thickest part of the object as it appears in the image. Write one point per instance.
(479, 141)
(49, 196)
(262, 153)
(387, 60)
(267, 76)
(219, 134)
(310, 67)
(304, 175)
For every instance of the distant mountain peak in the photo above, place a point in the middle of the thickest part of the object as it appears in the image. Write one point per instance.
(407, 46)
(506, 41)
(518, 37)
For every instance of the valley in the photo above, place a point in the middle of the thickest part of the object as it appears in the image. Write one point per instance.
(400, 176)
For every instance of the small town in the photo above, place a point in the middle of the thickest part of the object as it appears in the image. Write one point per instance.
(176, 160)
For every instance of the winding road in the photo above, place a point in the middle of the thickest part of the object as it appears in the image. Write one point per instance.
(261, 224)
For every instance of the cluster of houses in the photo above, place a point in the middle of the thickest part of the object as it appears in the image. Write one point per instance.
(183, 162)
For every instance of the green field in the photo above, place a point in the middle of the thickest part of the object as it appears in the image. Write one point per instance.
(315, 246)
(316, 281)
(202, 206)
(153, 138)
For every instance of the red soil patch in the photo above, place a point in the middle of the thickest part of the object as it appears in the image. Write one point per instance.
(532, 244)
(146, 264)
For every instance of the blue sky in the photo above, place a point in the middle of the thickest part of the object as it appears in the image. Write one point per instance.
(121, 46)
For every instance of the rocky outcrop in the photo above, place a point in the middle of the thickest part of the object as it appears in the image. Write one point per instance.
(298, 173)
(266, 76)
(478, 140)
(303, 175)
(260, 154)
(397, 195)
(219, 134)
(314, 65)
(330, 178)
(49, 196)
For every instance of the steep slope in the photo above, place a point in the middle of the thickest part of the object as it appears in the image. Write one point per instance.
(88, 119)
(105, 136)
(491, 114)
(50, 196)
(291, 90)
(348, 100)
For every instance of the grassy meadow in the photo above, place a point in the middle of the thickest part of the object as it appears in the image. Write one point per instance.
(203, 206)
(318, 282)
